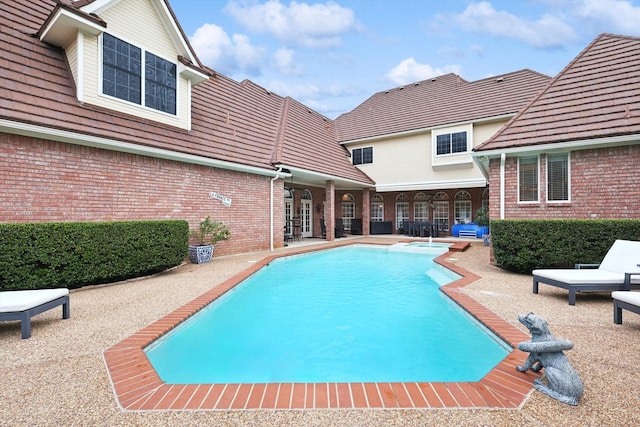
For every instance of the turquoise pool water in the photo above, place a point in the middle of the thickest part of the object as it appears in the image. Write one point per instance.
(355, 314)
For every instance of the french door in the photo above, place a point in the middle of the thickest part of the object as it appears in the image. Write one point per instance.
(307, 218)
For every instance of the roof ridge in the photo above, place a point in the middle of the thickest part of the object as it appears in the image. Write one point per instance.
(282, 125)
(537, 122)
(533, 100)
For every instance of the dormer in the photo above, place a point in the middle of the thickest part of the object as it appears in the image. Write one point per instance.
(128, 56)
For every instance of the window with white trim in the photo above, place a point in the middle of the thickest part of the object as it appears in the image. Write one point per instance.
(402, 210)
(377, 208)
(441, 211)
(462, 208)
(528, 179)
(558, 177)
(361, 156)
(485, 199)
(123, 70)
(451, 143)
(348, 206)
(421, 207)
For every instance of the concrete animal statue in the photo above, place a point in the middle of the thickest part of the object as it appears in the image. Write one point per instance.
(559, 381)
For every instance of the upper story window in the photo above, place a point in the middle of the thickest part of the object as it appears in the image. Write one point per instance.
(451, 143)
(361, 156)
(528, 179)
(558, 177)
(122, 71)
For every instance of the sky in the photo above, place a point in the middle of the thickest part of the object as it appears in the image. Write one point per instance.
(333, 55)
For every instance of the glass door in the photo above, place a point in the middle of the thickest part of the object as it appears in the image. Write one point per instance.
(307, 218)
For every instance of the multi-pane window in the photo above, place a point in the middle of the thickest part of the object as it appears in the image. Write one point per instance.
(462, 211)
(421, 207)
(361, 156)
(485, 199)
(451, 143)
(402, 210)
(402, 214)
(122, 71)
(160, 84)
(348, 210)
(441, 215)
(528, 179)
(377, 208)
(421, 211)
(558, 177)
(462, 208)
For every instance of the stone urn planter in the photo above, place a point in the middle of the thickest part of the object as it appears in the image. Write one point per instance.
(208, 234)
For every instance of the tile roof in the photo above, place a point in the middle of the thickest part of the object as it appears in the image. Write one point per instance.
(439, 101)
(231, 121)
(597, 95)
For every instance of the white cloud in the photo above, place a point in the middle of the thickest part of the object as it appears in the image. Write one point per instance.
(227, 55)
(285, 63)
(409, 71)
(546, 32)
(316, 25)
(619, 16)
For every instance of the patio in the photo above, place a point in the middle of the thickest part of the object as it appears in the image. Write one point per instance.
(58, 377)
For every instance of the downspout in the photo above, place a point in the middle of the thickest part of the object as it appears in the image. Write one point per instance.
(271, 206)
(503, 159)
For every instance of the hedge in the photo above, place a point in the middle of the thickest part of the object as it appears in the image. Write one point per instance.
(76, 254)
(523, 245)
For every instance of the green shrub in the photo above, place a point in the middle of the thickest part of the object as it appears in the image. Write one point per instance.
(75, 254)
(524, 245)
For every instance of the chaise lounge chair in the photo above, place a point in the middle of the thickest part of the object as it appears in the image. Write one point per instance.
(23, 305)
(624, 300)
(618, 271)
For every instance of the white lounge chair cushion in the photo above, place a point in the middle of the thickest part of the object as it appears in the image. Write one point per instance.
(623, 257)
(12, 301)
(582, 276)
(628, 297)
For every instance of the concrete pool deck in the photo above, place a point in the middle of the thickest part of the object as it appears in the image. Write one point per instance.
(59, 377)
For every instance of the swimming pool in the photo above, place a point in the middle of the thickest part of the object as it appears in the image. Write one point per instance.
(390, 324)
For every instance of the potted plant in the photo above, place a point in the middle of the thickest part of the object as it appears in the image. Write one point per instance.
(207, 234)
(482, 219)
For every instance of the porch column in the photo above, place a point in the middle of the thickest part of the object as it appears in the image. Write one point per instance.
(330, 209)
(366, 211)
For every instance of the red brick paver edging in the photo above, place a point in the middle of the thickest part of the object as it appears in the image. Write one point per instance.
(137, 386)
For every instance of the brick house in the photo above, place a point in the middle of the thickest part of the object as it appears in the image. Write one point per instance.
(102, 121)
(574, 150)
(415, 142)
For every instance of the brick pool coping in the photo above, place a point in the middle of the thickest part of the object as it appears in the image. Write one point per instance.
(138, 387)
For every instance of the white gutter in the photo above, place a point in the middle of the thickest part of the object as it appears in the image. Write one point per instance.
(561, 146)
(271, 206)
(324, 176)
(503, 159)
(125, 147)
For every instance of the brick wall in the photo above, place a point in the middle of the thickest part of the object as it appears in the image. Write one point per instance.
(52, 181)
(605, 184)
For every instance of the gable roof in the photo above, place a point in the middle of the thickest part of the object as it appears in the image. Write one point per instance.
(233, 124)
(597, 95)
(439, 101)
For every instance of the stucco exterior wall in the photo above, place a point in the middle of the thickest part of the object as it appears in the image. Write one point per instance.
(605, 184)
(408, 162)
(52, 181)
